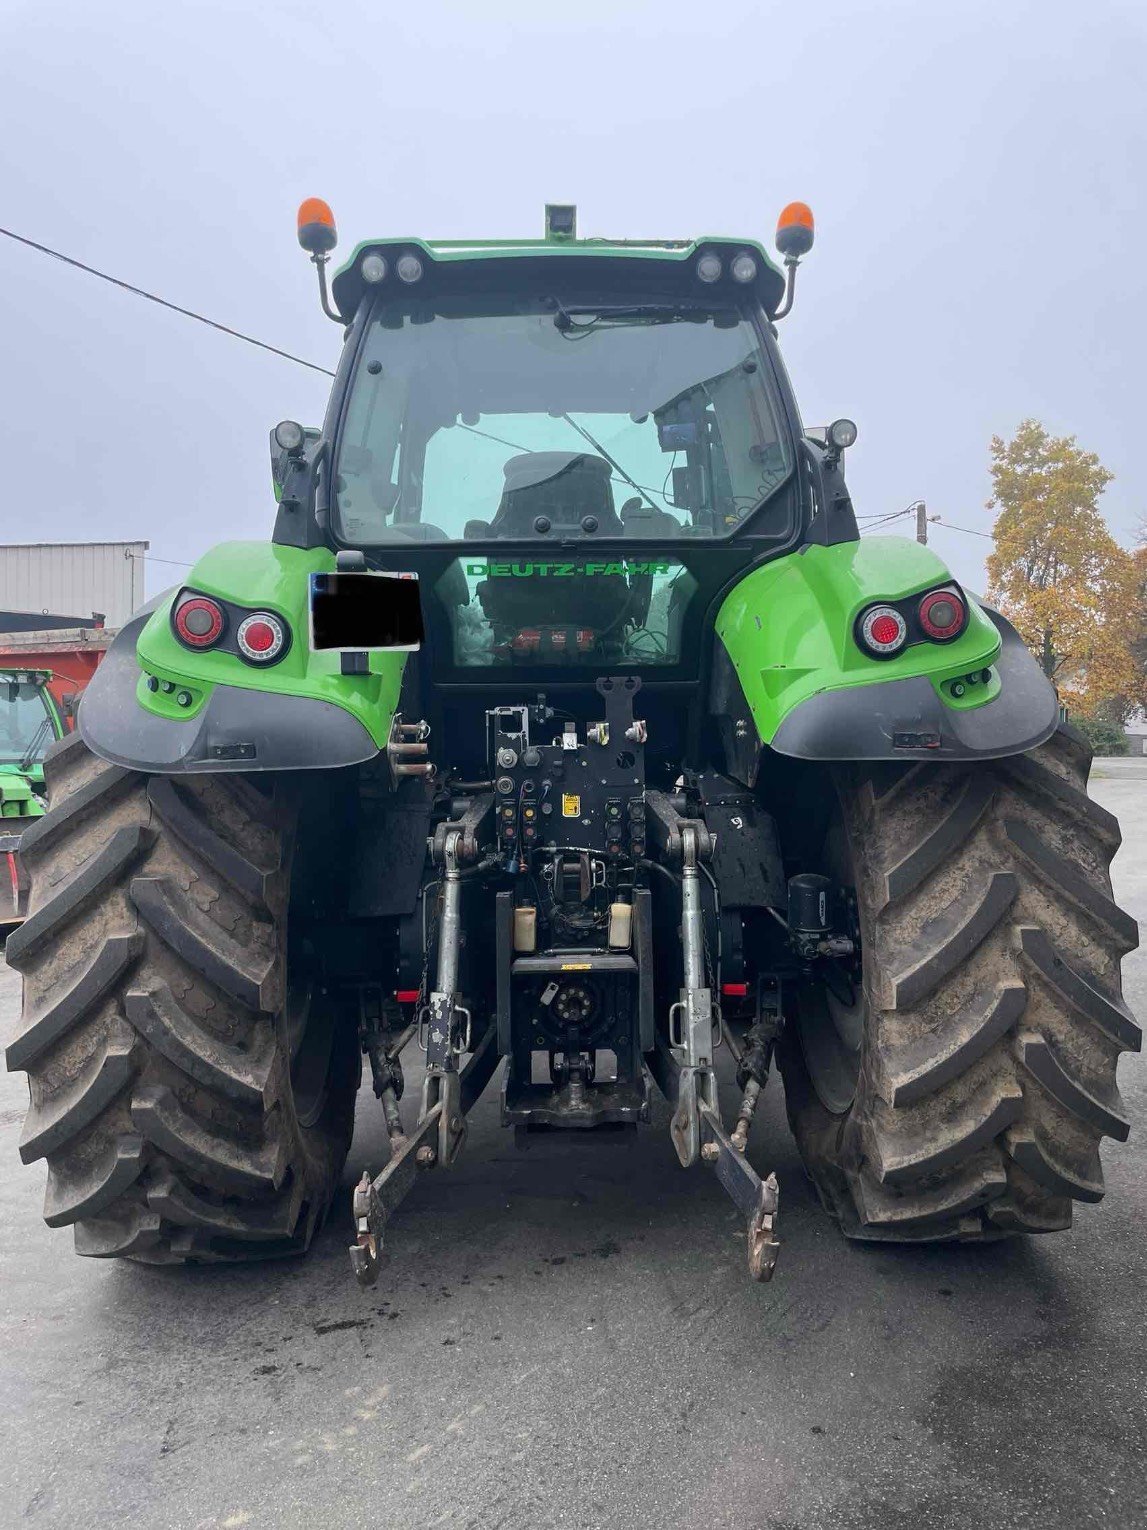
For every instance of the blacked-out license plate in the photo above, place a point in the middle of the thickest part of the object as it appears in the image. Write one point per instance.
(353, 613)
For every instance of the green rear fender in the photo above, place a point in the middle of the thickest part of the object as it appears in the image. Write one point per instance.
(156, 705)
(788, 630)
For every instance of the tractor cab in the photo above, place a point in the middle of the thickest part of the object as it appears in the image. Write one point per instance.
(575, 453)
(574, 445)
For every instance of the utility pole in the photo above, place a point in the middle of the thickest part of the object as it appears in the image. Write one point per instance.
(921, 523)
(1048, 658)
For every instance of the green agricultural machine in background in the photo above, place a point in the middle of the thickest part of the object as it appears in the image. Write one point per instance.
(564, 729)
(29, 722)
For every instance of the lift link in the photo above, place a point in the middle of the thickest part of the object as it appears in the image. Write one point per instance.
(446, 1093)
(684, 1068)
(445, 1038)
(691, 1018)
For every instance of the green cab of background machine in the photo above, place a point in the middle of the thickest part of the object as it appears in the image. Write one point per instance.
(30, 721)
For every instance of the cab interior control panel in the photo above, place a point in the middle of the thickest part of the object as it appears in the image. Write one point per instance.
(563, 785)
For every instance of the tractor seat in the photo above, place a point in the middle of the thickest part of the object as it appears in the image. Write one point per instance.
(565, 488)
(562, 487)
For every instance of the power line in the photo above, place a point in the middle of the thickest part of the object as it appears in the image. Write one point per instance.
(879, 517)
(151, 558)
(882, 519)
(968, 530)
(188, 313)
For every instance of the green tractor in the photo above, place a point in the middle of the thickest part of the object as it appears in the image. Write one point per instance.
(566, 729)
(29, 722)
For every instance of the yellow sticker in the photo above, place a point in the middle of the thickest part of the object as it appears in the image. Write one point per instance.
(576, 967)
(571, 805)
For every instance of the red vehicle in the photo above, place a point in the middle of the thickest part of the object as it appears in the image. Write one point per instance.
(71, 654)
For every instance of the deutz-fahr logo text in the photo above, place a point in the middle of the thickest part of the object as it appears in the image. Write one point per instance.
(561, 570)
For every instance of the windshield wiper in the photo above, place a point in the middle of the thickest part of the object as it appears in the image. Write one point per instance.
(618, 315)
(33, 748)
(613, 462)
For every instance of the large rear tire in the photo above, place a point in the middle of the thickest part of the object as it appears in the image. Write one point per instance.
(985, 1046)
(192, 1084)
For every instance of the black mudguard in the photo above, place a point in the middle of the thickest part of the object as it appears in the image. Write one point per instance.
(237, 730)
(906, 720)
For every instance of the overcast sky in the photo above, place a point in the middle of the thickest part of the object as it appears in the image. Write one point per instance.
(976, 170)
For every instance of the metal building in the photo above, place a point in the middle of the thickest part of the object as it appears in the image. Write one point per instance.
(79, 578)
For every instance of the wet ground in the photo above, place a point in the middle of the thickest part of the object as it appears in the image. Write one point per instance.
(568, 1337)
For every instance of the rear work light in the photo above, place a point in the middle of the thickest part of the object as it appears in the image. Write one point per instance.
(943, 615)
(882, 631)
(261, 637)
(198, 622)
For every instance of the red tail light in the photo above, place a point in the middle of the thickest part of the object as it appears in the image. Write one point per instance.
(943, 615)
(198, 622)
(261, 638)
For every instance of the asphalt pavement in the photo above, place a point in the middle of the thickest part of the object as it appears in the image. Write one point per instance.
(567, 1337)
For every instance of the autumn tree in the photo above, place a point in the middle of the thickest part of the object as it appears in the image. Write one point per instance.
(1059, 575)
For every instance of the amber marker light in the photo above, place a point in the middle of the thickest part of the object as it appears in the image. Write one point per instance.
(795, 230)
(317, 232)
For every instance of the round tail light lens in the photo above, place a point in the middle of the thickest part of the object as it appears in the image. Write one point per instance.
(198, 622)
(943, 615)
(261, 637)
(883, 630)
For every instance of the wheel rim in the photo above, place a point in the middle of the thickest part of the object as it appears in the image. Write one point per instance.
(831, 1015)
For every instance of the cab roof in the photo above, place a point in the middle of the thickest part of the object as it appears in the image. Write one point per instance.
(661, 267)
